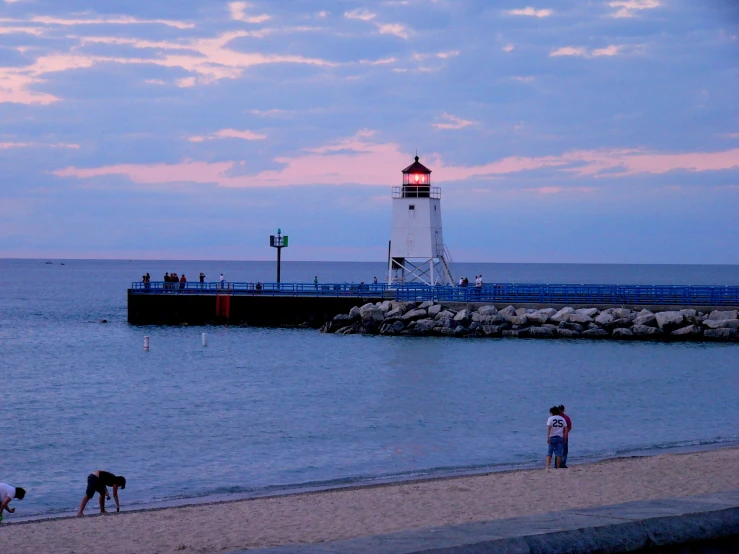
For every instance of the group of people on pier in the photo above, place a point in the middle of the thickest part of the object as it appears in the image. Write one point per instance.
(97, 482)
(465, 282)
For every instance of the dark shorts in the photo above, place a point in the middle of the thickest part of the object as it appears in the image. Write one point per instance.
(94, 485)
(556, 446)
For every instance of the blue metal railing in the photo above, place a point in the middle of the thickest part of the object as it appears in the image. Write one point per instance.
(269, 289)
(497, 293)
(664, 295)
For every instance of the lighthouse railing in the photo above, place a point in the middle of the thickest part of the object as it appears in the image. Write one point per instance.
(417, 191)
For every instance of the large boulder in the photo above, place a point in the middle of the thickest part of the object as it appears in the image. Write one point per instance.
(395, 312)
(371, 315)
(492, 330)
(562, 314)
(623, 313)
(342, 317)
(596, 333)
(423, 326)
(510, 333)
(721, 323)
(445, 314)
(348, 330)
(669, 320)
(392, 328)
(435, 309)
(463, 316)
(721, 334)
(354, 313)
(414, 314)
(729, 314)
(571, 326)
(622, 333)
(447, 323)
(619, 323)
(484, 319)
(402, 306)
(646, 319)
(487, 310)
(539, 317)
(518, 319)
(645, 330)
(507, 312)
(542, 332)
(523, 311)
(604, 318)
(688, 312)
(690, 330)
(567, 333)
(426, 305)
(590, 312)
(582, 319)
(386, 306)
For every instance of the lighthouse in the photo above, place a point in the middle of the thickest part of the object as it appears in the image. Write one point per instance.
(417, 251)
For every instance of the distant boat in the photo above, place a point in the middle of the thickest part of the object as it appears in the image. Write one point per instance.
(48, 263)
(62, 263)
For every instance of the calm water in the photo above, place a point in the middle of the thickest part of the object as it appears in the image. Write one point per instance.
(260, 409)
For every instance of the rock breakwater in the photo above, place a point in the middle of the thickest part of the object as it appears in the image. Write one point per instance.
(434, 319)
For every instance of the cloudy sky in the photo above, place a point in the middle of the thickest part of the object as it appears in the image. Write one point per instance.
(559, 130)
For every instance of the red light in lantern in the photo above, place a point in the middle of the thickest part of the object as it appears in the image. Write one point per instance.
(416, 176)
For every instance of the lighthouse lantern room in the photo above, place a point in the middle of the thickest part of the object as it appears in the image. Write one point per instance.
(417, 250)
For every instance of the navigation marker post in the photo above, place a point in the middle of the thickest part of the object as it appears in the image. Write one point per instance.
(278, 241)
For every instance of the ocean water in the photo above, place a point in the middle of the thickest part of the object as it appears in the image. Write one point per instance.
(265, 410)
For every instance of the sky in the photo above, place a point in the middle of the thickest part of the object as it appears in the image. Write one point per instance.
(573, 131)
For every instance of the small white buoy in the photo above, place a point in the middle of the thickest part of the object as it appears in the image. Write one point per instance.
(146, 343)
(205, 339)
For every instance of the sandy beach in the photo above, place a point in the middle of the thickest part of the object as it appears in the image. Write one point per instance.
(343, 514)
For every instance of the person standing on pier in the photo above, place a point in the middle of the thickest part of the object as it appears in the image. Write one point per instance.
(566, 447)
(556, 437)
(8, 493)
(183, 280)
(315, 282)
(98, 482)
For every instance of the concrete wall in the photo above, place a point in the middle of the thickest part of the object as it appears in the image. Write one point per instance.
(175, 309)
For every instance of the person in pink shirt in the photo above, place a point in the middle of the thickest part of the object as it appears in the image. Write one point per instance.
(566, 448)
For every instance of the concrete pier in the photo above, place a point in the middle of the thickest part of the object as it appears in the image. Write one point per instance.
(253, 309)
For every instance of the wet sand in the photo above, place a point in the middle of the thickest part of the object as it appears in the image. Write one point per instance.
(343, 514)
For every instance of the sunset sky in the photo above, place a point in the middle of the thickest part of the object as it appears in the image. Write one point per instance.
(602, 131)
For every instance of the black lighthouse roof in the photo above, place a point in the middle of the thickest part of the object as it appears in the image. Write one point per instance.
(417, 167)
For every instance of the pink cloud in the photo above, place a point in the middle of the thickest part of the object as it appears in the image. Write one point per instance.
(452, 122)
(7, 145)
(116, 20)
(358, 160)
(206, 59)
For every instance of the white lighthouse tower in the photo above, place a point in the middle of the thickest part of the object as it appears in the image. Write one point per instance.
(417, 251)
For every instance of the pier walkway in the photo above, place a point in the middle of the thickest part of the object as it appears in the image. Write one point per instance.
(495, 293)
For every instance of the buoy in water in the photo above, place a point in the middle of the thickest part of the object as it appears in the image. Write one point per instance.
(205, 339)
(146, 343)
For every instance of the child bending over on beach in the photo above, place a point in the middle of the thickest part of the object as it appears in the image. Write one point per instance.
(556, 437)
(98, 482)
(8, 493)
